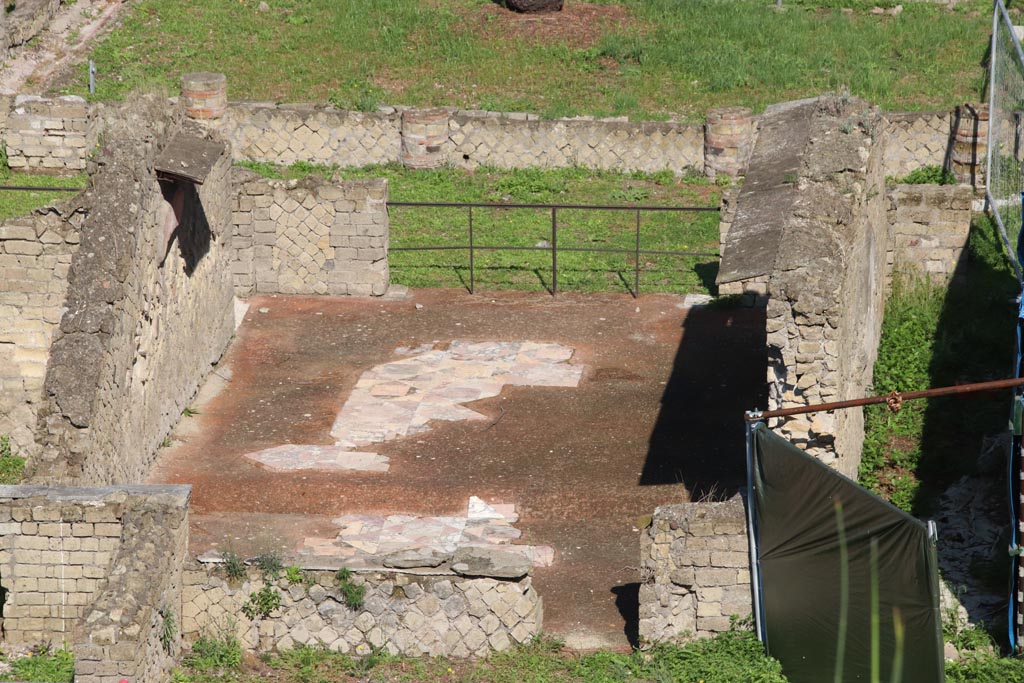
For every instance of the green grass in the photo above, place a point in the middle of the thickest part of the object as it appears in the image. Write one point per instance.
(728, 658)
(658, 58)
(531, 270)
(14, 203)
(45, 667)
(933, 337)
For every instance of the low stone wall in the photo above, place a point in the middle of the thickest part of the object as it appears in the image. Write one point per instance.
(284, 134)
(915, 139)
(149, 307)
(404, 613)
(930, 226)
(695, 571)
(313, 237)
(289, 133)
(27, 20)
(35, 255)
(53, 136)
(511, 141)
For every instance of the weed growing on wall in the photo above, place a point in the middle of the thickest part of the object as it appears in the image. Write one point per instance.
(168, 629)
(929, 175)
(12, 467)
(234, 566)
(351, 592)
(270, 565)
(261, 603)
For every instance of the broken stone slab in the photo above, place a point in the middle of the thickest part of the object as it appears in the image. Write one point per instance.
(415, 558)
(491, 562)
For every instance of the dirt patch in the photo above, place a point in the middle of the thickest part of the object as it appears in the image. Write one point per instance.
(579, 24)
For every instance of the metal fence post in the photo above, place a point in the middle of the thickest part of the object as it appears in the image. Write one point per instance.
(554, 251)
(636, 261)
(472, 272)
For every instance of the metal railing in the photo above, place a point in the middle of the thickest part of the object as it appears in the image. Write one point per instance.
(472, 247)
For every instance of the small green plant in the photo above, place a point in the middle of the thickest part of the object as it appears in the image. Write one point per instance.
(262, 603)
(215, 653)
(270, 565)
(189, 412)
(351, 592)
(790, 179)
(234, 566)
(12, 468)
(929, 175)
(168, 630)
(631, 195)
(295, 576)
(166, 443)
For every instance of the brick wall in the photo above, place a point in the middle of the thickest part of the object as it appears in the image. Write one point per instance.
(313, 237)
(695, 570)
(930, 225)
(35, 255)
(408, 614)
(145, 317)
(53, 136)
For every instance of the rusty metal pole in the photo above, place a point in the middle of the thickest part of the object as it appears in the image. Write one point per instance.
(554, 251)
(636, 259)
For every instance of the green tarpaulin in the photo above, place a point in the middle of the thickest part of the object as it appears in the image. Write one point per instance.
(833, 559)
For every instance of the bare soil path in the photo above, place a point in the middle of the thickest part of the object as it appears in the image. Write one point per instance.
(656, 419)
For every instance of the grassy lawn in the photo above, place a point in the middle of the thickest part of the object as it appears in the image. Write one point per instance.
(531, 270)
(643, 58)
(933, 337)
(15, 203)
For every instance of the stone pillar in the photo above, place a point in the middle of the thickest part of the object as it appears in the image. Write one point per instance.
(969, 124)
(204, 94)
(728, 141)
(425, 138)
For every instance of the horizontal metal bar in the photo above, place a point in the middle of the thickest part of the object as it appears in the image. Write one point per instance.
(595, 250)
(29, 188)
(977, 387)
(597, 207)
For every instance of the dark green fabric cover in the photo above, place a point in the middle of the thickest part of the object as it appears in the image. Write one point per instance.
(798, 502)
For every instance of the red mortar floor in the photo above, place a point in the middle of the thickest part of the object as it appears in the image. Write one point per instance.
(656, 419)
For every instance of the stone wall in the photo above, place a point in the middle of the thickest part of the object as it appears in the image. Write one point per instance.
(288, 133)
(27, 20)
(149, 307)
(404, 613)
(510, 141)
(312, 237)
(122, 633)
(35, 255)
(74, 562)
(53, 136)
(321, 134)
(827, 288)
(930, 225)
(915, 139)
(695, 571)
